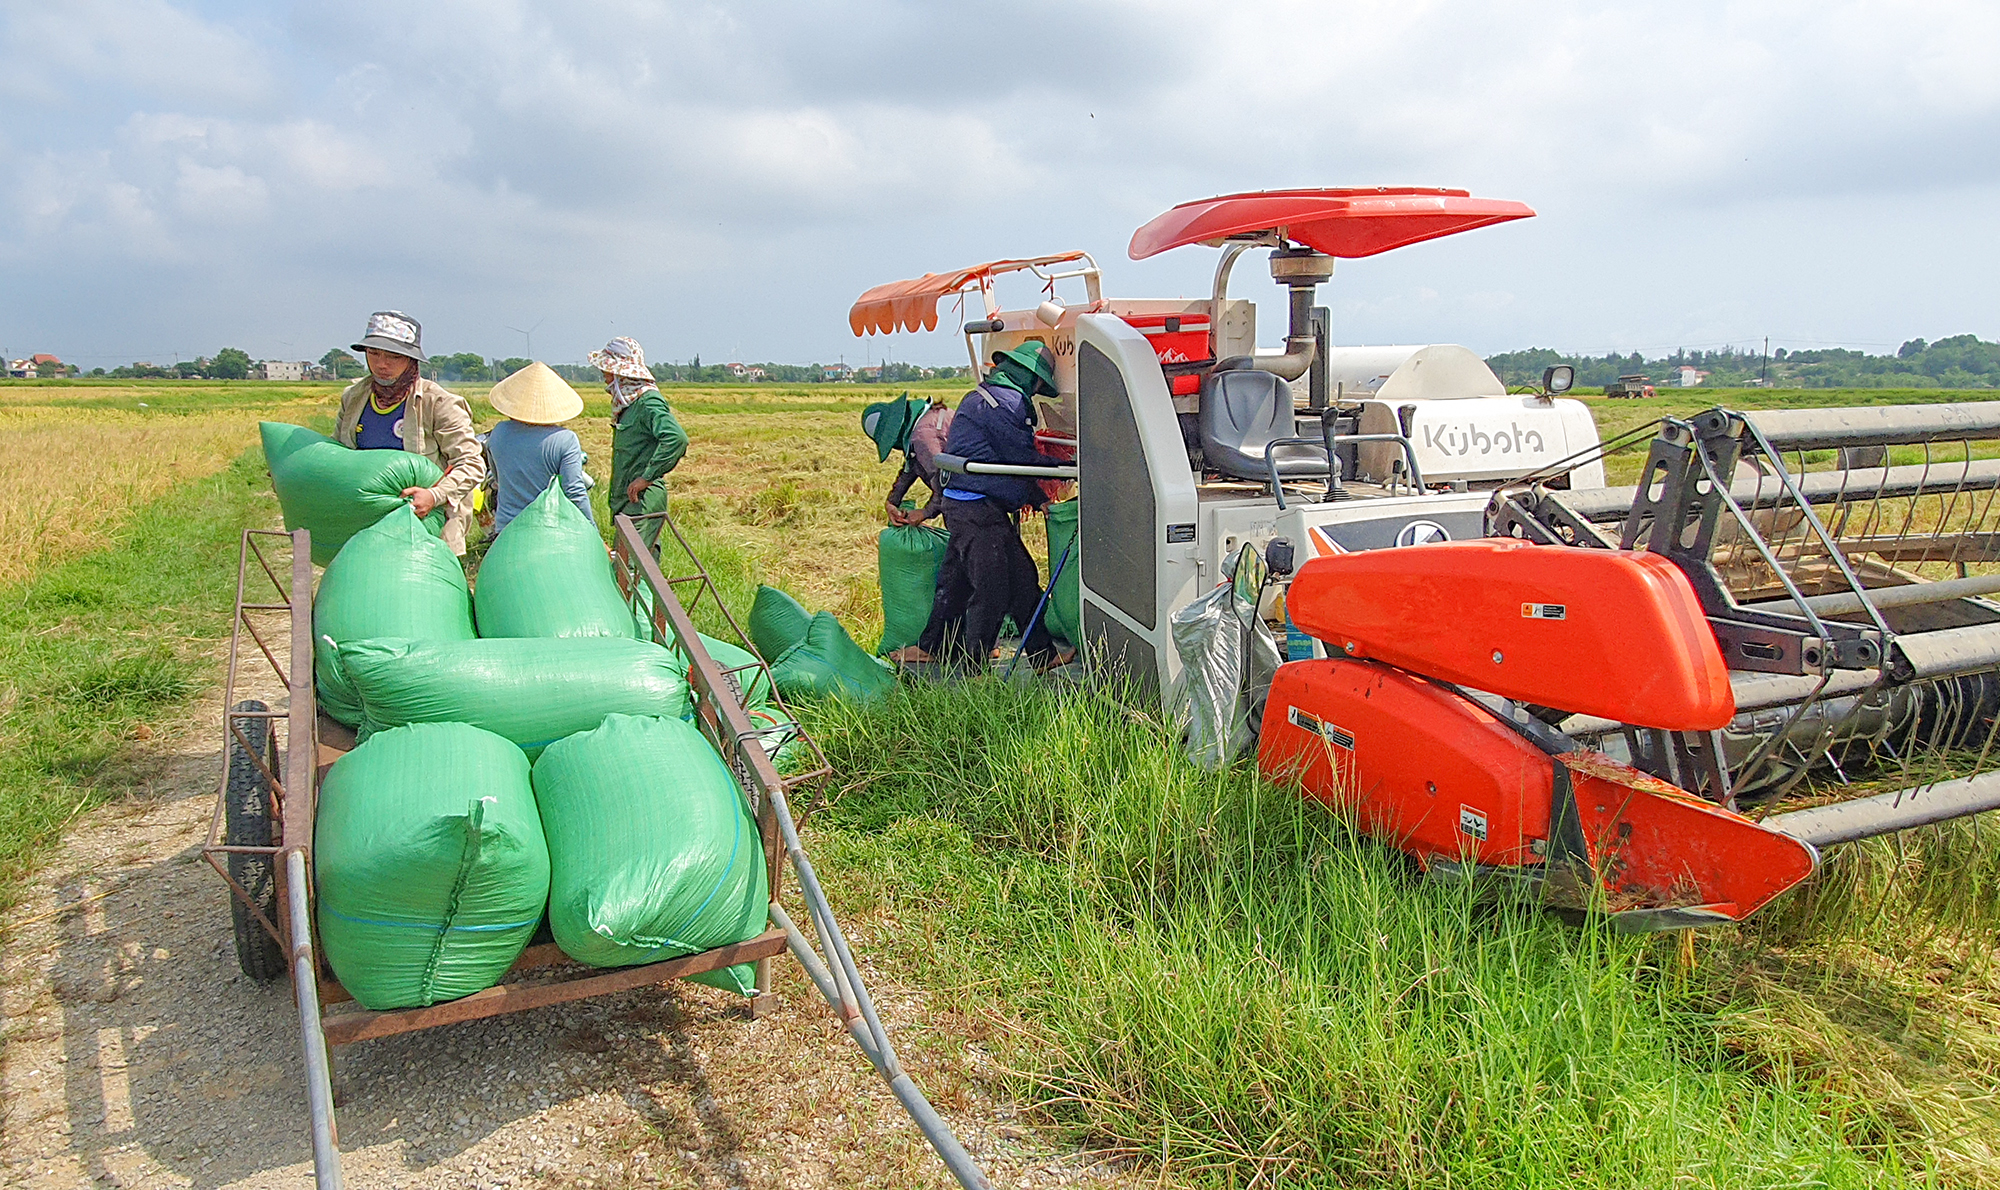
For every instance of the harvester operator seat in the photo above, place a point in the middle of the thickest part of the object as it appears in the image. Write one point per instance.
(1242, 410)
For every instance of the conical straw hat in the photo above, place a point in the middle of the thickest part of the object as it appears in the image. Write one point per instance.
(536, 395)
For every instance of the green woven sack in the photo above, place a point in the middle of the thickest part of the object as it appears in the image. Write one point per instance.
(431, 866)
(652, 851)
(391, 579)
(907, 558)
(777, 622)
(828, 664)
(547, 575)
(1064, 615)
(335, 492)
(530, 690)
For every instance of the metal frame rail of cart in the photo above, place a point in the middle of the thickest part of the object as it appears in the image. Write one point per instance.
(261, 837)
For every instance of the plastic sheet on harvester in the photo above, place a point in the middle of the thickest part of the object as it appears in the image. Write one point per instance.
(335, 492)
(431, 864)
(530, 690)
(1227, 658)
(392, 579)
(652, 850)
(548, 574)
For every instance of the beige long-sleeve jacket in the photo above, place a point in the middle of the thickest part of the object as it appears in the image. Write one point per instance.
(437, 423)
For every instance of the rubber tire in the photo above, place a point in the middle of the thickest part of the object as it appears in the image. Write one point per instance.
(247, 823)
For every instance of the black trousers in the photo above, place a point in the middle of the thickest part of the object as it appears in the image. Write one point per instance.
(987, 576)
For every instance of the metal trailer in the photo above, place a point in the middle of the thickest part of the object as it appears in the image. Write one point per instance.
(261, 839)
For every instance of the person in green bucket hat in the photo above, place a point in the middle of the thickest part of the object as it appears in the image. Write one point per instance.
(987, 574)
(919, 431)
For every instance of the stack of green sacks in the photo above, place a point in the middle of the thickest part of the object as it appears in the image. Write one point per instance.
(334, 491)
(548, 575)
(811, 655)
(392, 579)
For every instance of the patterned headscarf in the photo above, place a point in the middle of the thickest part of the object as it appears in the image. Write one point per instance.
(625, 360)
(393, 394)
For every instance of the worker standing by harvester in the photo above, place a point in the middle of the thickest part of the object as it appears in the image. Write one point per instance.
(987, 574)
(920, 432)
(647, 441)
(395, 408)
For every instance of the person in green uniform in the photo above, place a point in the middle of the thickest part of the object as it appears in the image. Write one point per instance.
(646, 439)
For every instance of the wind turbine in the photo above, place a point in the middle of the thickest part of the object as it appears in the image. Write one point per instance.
(529, 334)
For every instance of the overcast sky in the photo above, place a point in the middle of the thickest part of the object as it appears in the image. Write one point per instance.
(178, 176)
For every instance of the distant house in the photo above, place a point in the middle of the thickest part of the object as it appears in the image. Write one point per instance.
(1688, 377)
(746, 371)
(836, 371)
(21, 369)
(275, 369)
(49, 365)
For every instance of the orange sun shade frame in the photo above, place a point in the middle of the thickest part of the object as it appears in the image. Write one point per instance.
(1346, 223)
(912, 305)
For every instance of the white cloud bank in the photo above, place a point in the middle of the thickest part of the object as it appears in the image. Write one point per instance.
(723, 179)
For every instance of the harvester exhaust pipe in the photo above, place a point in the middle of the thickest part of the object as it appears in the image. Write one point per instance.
(1300, 270)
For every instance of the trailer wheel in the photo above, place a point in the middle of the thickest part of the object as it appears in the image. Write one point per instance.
(247, 823)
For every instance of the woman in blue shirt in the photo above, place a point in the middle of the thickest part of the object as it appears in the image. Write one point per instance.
(531, 446)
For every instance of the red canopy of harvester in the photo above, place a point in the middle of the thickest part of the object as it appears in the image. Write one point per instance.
(1348, 223)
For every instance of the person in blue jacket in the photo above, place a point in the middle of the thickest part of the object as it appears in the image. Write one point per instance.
(987, 574)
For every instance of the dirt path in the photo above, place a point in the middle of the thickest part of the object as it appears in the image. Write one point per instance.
(137, 1055)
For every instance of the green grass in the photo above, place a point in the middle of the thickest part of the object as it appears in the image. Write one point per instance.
(1210, 975)
(96, 648)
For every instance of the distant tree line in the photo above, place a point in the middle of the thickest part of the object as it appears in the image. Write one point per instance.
(1961, 361)
(467, 366)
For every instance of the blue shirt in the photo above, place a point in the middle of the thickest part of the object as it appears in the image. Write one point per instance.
(525, 458)
(379, 431)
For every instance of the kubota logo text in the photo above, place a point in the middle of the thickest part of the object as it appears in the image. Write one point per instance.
(1464, 440)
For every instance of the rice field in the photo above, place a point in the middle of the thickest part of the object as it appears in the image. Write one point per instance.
(1196, 976)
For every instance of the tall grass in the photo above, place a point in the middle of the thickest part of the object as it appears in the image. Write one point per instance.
(1209, 974)
(104, 644)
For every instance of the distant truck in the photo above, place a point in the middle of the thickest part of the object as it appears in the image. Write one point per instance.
(1630, 386)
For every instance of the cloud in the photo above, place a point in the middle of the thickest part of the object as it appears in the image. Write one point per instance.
(719, 177)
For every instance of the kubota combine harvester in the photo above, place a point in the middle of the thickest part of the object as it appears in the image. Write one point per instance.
(1591, 687)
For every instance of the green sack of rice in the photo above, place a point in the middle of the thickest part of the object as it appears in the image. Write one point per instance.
(547, 574)
(431, 865)
(531, 690)
(777, 621)
(335, 492)
(391, 579)
(753, 686)
(652, 850)
(1065, 611)
(828, 664)
(907, 559)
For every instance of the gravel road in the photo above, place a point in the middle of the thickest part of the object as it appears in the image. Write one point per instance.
(136, 1055)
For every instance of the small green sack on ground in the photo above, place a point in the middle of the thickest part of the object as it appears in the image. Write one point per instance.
(828, 664)
(391, 579)
(652, 851)
(907, 559)
(1065, 611)
(335, 492)
(530, 690)
(547, 574)
(777, 621)
(431, 864)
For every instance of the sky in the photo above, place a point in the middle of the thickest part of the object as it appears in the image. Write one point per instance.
(723, 180)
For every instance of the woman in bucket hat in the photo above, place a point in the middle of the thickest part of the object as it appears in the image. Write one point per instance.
(646, 440)
(530, 446)
(919, 431)
(395, 408)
